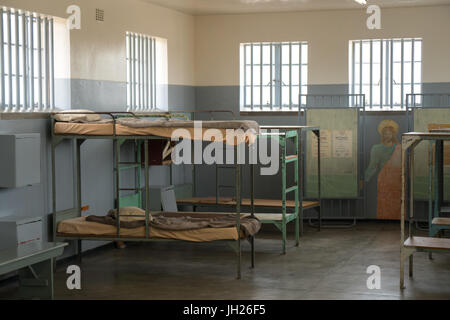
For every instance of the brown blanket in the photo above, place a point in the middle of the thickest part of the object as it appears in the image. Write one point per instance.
(178, 221)
(177, 123)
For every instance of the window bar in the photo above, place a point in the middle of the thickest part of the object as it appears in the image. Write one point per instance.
(138, 65)
(251, 76)
(52, 64)
(391, 64)
(134, 71)
(280, 81)
(31, 61)
(300, 66)
(47, 71)
(143, 72)
(290, 76)
(271, 76)
(402, 89)
(10, 102)
(261, 77)
(245, 75)
(2, 59)
(130, 73)
(353, 72)
(151, 74)
(371, 74)
(412, 67)
(39, 28)
(154, 73)
(25, 64)
(147, 46)
(381, 73)
(17, 107)
(360, 66)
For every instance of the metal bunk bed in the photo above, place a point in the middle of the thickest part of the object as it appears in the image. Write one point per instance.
(118, 140)
(413, 243)
(425, 111)
(280, 220)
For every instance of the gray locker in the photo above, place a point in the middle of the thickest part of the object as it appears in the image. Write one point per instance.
(20, 160)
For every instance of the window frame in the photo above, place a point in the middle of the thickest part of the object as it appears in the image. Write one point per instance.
(389, 88)
(276, 84)
(141, 71)
(27, 72)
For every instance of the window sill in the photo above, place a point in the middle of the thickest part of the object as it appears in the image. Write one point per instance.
(269, 113)
(24, 115)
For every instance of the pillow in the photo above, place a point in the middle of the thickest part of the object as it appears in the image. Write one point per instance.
(130, 214)
(82, 115)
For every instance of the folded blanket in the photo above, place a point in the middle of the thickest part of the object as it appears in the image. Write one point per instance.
(178, 221)
(177, 123)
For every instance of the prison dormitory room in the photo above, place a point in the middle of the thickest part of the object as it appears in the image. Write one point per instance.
(226, 150)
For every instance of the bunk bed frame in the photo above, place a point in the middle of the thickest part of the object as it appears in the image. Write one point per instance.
(279, 220)
(417, 244)
(117, 140)
(424, 101)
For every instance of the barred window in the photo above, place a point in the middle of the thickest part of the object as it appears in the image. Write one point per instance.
(385, 71)
(26, 61)
(146, 72)
(273, 75)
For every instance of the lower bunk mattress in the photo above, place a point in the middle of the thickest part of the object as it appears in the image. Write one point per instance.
(80, 227)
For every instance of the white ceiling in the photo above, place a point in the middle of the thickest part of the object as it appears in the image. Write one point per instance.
(199, 7)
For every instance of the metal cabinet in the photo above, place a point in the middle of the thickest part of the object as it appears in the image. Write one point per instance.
(20, 160)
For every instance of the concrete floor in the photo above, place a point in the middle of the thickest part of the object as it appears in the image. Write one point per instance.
(330, 264)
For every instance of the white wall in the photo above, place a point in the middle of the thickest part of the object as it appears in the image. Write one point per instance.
(98, 49)
(217, 39)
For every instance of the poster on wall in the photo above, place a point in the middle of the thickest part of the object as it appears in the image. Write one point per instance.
(386, 167)
(342, 144)
(325, 144)
(338, 151)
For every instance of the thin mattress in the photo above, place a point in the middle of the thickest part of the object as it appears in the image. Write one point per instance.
(79, 227)
(107, 129)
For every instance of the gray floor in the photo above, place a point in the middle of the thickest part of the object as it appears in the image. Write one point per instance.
(330, 264)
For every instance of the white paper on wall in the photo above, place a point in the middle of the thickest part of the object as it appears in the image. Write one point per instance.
(342, 144)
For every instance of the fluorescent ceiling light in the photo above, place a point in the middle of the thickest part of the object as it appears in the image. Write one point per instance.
(361, 1)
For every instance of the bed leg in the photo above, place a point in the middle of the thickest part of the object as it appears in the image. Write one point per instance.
(79, 250)
(411, 265)
(239, 260)
(252, 242)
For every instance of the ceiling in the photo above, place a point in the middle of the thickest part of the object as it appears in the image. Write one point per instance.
(203, 7)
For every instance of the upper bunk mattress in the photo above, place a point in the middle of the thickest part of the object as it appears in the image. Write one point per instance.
(231, 132)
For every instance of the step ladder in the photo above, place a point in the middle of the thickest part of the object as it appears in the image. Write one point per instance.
(280, 220)
(134, 199)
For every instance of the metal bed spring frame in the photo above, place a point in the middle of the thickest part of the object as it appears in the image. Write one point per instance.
(361, 146)
(298, 214)
(419, 100)
(76, 212)
(288, 132)
(428, 244)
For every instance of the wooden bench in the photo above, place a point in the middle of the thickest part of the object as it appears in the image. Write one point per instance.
(34, 261)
